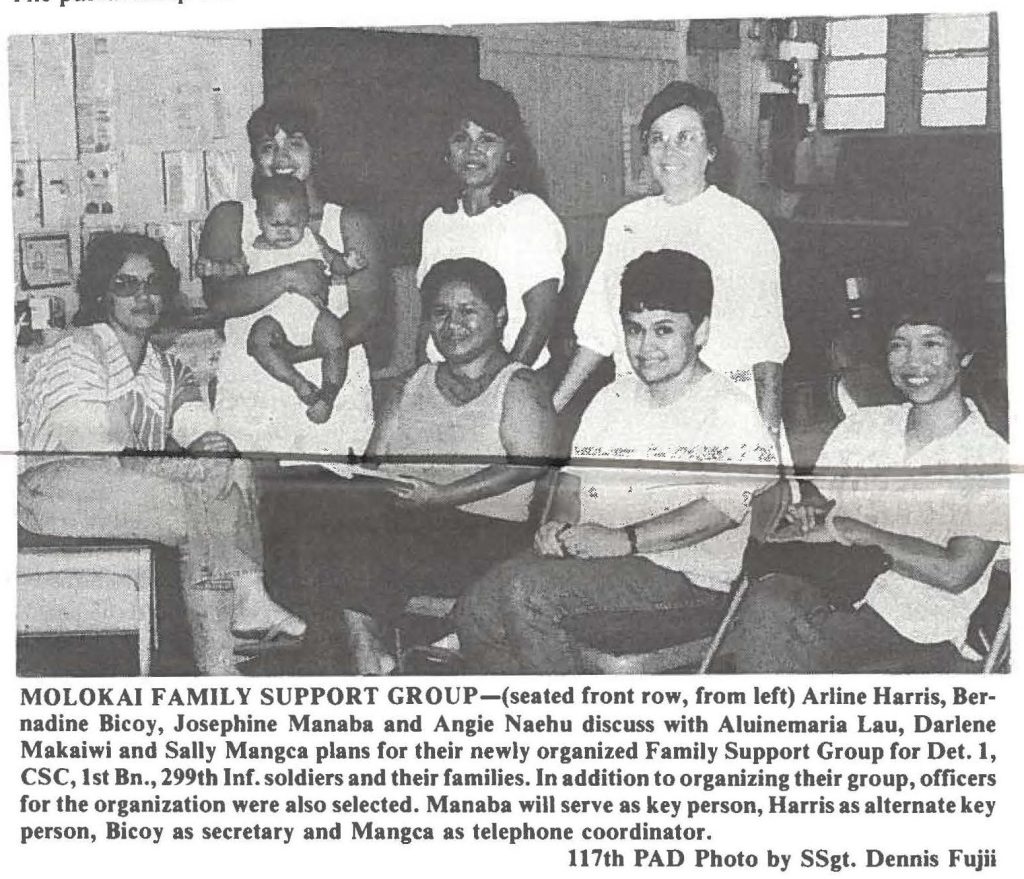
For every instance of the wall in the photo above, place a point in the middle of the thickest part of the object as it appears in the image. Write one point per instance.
(163, 114)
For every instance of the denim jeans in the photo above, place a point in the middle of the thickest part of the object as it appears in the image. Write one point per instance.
(513, 621)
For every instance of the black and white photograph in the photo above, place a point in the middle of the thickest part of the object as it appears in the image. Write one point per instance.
(621, 347)
(615, 468)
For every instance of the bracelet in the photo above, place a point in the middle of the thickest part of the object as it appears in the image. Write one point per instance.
(631, 537)
(559, 531)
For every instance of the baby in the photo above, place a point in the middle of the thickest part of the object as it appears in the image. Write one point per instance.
(292, 321)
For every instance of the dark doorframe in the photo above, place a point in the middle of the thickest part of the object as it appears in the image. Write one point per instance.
(381, 98)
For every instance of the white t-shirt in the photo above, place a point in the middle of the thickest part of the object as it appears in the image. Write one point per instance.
(739, 248)
(712, 423)
(523, 240)
(931, 507)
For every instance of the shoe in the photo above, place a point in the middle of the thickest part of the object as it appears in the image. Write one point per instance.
(285, 632)
(370, 657)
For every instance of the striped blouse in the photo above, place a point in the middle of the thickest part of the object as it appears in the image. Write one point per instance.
(81, 395)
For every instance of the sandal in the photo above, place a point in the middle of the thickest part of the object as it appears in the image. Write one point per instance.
(286, 632)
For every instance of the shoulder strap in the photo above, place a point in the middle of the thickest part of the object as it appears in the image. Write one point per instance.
(500, 384)
(330, 226)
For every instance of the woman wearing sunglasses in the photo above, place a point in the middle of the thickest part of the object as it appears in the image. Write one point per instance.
(99, 397)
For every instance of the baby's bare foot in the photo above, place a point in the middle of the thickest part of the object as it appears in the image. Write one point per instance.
(319, 411)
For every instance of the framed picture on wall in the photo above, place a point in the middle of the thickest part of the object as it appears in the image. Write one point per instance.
(45, 260)
(636, 173)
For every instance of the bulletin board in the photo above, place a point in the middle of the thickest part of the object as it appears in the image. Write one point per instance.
(125, 132)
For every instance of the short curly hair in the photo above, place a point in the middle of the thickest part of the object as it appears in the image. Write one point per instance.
(284, 114)
(481, 278)
(685, 94)
(668, 280)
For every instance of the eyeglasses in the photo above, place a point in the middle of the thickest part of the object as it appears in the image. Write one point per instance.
(685, 138)
(125, 286)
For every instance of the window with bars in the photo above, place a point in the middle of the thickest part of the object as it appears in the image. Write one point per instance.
(955, 70)
(855, 73)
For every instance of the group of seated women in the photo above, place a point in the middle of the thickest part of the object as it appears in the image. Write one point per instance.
(457, 495)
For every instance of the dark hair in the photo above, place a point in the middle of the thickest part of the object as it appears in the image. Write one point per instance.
(936, 300)
(685, 94)
(494, 109)
(668, 280)
(482, 279)
(105, 256)
(289, 116)
(281, 187)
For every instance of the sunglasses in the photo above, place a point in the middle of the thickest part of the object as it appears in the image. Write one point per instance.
(125, 286)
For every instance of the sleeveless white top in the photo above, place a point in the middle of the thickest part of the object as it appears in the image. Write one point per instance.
(427, 425)
(261, 414)
(295, 313)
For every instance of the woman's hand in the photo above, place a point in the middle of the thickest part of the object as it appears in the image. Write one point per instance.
(850, 532)
(809, 515)
(592, 541)
(308, 278)
(547, 541)
(825, 529)
(419, 492)
(212, 443)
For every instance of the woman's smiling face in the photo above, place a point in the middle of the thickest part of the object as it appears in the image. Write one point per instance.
(925, 362)
(476, 156)
(462, 325)
(662, 345)
(677, 148)
(284, 153)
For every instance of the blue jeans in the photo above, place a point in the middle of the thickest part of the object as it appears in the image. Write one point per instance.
(515, 620)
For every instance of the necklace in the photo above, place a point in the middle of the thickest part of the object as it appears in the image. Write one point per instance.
(460, 389)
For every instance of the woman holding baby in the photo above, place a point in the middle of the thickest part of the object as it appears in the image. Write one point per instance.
(249, 276)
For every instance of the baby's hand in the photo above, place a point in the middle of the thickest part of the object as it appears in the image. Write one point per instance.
(355, 260)
(345, 264)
